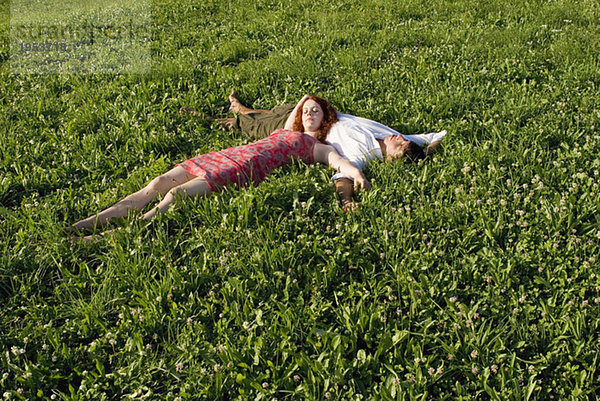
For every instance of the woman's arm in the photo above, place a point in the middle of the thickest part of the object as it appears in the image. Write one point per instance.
(289, 123)
(327, 154)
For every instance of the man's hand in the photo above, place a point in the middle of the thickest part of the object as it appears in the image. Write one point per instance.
(350, 207)
(432, 148)
(345, 189)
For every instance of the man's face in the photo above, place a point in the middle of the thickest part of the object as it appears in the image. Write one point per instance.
(312, 116)
(396, 146)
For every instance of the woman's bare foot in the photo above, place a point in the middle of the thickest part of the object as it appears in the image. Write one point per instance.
(92, 237)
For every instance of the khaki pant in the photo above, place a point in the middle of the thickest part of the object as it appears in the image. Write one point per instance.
(261, 125)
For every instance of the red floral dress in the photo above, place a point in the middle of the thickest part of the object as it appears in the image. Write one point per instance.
(251, 162)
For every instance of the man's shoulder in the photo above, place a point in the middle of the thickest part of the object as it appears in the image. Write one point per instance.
(350, 120)
(347, 121)
(345, 128)
(345, 117)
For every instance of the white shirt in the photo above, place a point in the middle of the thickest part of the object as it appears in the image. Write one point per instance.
(355, 138)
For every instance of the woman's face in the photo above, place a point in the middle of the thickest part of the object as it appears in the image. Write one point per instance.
(312, 116)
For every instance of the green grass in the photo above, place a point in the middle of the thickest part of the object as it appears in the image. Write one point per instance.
(79, 37)
(44, 11)
(472, 275)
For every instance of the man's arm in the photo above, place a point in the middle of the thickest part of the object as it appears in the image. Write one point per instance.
(344, 187)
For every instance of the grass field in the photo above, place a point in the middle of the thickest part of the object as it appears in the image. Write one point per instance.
(471, 275)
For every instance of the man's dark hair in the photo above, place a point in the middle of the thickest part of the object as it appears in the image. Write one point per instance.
(413, 152)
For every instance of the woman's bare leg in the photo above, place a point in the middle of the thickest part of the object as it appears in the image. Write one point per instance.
(138, 200)
(196, 187)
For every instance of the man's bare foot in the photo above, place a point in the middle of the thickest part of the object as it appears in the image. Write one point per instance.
(187, 110)
(226, 123)
(237, 107)
(350, 207)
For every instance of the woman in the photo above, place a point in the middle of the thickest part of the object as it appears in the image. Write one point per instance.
(200, 176)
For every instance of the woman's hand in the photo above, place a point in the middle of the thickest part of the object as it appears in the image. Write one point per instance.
(289, 123)
(361, 182)
(327, 154)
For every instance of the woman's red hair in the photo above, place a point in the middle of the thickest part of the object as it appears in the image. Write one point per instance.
(329, 118)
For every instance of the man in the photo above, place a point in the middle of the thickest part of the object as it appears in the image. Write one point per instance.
(357, 139)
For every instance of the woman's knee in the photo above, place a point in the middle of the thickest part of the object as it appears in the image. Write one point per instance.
(161, 184)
